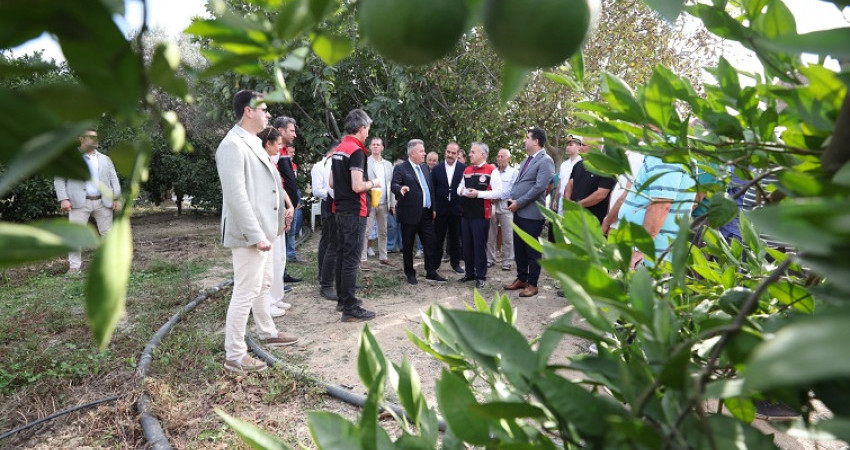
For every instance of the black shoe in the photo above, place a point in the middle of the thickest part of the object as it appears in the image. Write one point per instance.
(466, 278)
(479, 284)
(289, 279)
(287, 288)
(457, 268)
(328, 293)
(560, 293)
(412, 279)
(435, 277)
(357, 314)
(340, 308)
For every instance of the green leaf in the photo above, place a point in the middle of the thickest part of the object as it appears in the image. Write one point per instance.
(72, 102)
(563, 79)
(294, 19)
(42, 240)
(658, 101)
(572, 404)
(669, 9)
(583, 304)
(776, 21)
(106, 290)
(603, 164)
(619, 95)
(55, 147)
(333, 432)
(163, 69)
(722, 209)
(514, 78)
(792, 294)
(405, 381)
(331, 48)
(321, 8)
(577, 64)
(742, 408)
(252, 435)
(484, 334)
(842, 177)
(456, 402)
(802, 353)
(370, 358)
(506, 410)
(727, 432)
(594, 279)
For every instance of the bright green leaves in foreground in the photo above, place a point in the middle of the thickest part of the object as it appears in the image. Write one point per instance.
(106, 290)
(42, 240)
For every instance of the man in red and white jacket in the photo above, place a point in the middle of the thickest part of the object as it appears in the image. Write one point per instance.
(481, 183)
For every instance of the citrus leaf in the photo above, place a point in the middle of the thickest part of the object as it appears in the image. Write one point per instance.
(254, 436)
(370, 358)
(721, 209)
(507, 410)
(333, 432)
(106, 290)
(42, 240)
(802, 353)
(513, 80)
(330, 48)
(456, 401)
(669, 9)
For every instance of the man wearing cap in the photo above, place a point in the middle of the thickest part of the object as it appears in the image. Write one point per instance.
(573, 151)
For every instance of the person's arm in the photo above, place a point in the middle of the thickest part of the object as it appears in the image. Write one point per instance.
(593, 199)
(568, 190)
(544, 177)
(614, 212)
(316, 182)
(397, 186)
(656, 214)
(61, 186)
(290, 211)
(114, 184)
(495, 190)
(461, 187)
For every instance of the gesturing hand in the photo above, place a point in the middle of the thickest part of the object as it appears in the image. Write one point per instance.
(403, 190)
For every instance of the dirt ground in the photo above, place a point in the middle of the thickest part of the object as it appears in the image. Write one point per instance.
(327, 347)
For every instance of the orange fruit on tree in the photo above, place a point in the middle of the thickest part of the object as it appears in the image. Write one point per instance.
(412, 32)
(538, 33)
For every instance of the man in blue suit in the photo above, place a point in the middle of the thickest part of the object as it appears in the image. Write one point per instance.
(529, 191)
(447, 176)
(414, 193)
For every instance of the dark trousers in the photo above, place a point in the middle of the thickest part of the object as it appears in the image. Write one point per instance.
(425, 230)
(350, 231)
(327, 247)
(527, 259)
(475, 232)
(448, 235)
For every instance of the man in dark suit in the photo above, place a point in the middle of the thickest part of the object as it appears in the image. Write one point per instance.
(414, 193)
(528, 191)
(447, 176)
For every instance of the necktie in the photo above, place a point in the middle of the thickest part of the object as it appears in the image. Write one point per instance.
(524, 165)
(425, 191)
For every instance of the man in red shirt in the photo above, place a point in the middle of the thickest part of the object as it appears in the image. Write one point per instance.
(481, 183)
(348, 171)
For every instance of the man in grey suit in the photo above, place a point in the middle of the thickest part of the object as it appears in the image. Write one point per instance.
(252, 216)
(528, 191)
(96, 197)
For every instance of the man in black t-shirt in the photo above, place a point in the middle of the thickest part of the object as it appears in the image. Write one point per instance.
(589, 190)
(348, 173)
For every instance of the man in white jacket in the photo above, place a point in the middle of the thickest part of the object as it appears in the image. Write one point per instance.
(96, 197)
(252, 216)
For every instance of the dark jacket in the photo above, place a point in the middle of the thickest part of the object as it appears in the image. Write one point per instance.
(446, 199)
(287, 174)
(408, 208)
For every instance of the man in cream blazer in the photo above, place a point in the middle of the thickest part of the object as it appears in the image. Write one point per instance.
(252, 216)
(377, 167)
(96, 197)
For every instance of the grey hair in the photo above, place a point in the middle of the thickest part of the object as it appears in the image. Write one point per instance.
(355, 120)
(483, 147)
(411, 144)
(283, 122)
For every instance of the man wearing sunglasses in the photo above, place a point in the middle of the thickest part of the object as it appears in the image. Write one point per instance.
(96, 197)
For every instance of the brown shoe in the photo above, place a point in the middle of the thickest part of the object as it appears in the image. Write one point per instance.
(387, 262)
(517, 284)
(364, 266)
(245, 365)
(281, 340)
(529, 291)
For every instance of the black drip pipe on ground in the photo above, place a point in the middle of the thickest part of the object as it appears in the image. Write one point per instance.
(150, 424)
(334, 390)
(59, 414)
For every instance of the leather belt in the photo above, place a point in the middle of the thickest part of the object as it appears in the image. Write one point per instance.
(93, 197)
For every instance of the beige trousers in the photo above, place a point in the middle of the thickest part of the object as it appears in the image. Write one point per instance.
(504, 220)
(252, 278)
(103, 218)
(381, 212)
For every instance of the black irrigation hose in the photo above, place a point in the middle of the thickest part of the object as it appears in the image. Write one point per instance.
(59, 414)
(334, 390)
(150, 425)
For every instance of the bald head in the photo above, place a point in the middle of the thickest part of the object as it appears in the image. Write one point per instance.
(432, 159)
(503, 158)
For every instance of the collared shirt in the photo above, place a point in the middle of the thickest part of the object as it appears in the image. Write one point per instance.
(495, 190)
(450, 171)
(564, 178)
(320, 173)
(508, 176)
(94, 166)
(378, 167)
(669, 181)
